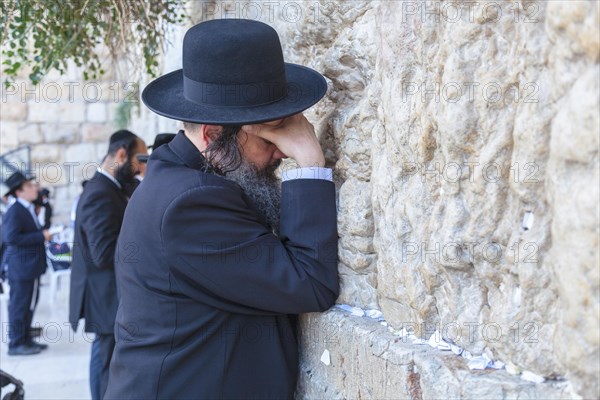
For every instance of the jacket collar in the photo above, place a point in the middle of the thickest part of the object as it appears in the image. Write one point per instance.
(110, 177)
(24, 202)
(100, 177)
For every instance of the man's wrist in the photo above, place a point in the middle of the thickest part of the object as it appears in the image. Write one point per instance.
(320, 173)
(310, 162)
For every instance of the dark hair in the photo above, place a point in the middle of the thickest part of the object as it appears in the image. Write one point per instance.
(120, 139)
(224, 154)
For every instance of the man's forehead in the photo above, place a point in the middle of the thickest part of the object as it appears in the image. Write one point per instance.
(141, 144)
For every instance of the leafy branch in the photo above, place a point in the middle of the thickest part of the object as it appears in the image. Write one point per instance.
(46, 34)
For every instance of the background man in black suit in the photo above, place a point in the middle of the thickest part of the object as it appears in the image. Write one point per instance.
(216, 256)
(97, 224)
(26, 259)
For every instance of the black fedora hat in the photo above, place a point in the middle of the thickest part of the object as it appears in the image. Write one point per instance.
(233, 74)
(159, 140)
(15, 181)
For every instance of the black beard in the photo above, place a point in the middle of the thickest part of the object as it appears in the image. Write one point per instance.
(263, 188)
(126, 177)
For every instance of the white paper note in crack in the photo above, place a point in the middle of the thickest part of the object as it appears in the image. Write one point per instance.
(512, 369)
(479, 362)
(437, 342)
(326, 358)
(531, 377)
(456, 350)
(355, 311)
(375, 314)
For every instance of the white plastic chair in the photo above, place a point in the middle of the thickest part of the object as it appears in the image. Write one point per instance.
(56, 275)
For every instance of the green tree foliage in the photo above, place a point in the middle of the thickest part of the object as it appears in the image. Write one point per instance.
(46, 34)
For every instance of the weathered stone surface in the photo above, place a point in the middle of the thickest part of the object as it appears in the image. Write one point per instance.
(64, 195)
(96, 112)
(40, 111)
(82, 160)
(51, 117)
(81, 152)
(9, 135)
(458, 126)
(369, 362)
(95, 133)
(447, 124)
(46, 153)
(30, 134)
(13, 109)
(72, 112)
(60, 133)
(573, 258)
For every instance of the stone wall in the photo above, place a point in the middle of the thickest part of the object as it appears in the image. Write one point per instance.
(67, 121)
(464, 138)
(349, 357)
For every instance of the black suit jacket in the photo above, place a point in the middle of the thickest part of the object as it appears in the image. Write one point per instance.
(97, 224)
(25, 251)
(207, 292)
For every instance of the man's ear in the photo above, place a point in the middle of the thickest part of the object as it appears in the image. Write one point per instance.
(121, 155)
(210, 133)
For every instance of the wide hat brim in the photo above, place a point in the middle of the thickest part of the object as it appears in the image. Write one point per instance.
(165, 96)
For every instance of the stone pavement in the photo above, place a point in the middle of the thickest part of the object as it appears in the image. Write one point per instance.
(61, 371)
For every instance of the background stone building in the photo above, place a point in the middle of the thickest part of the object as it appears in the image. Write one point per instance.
(464, 140)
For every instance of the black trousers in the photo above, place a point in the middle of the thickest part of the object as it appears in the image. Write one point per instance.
(102, 350)
(24, 295)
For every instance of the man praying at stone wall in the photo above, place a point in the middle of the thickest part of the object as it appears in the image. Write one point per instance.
(216, 257)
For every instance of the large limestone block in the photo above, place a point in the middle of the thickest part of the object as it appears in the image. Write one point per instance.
(72, 112)
(20, 133)
(12, 109)
(346, 357)
(43, 112)
(60, 132)
(30, 134)
(46, 153)
(445, 113)
(96, 112)
(95, 132)
(82, 161)
(9, 135)
(573, 180)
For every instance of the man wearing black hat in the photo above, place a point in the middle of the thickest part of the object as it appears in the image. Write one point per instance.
(98, 221)
(224, 256)
(26, 259)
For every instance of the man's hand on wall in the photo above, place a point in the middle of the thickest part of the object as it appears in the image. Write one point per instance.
(294, 136)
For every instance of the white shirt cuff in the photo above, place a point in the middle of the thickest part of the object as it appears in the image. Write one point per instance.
(307, 173)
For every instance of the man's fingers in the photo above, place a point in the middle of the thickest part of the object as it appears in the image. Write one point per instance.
(263, 131)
